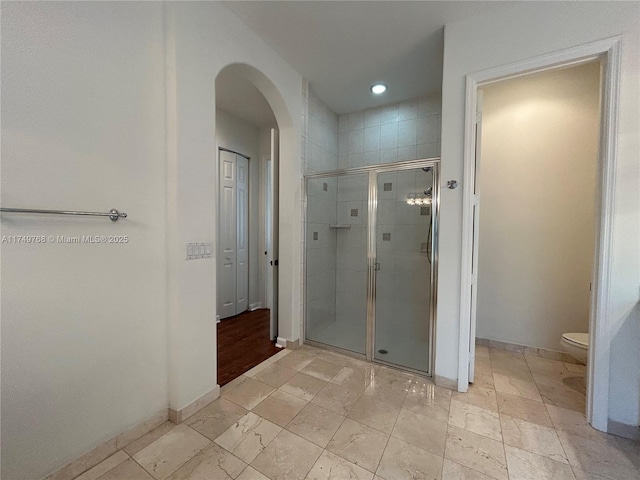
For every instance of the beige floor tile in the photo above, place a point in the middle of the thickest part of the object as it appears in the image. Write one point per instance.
(334, 357)
(455, 471)
(573, 423)
(544, 365)
(503, 357)
(280, 407)
(104, 466)
(564, 397)
(516, 386)
(322, 369)
(216, 417)
(127, 470)
(532, 437)
(248, 436)
(249, 393)
(296, 360)
(574, 381)
(213, 462)
(528, 410)
(424, 432)
(430, 401)
(604, 458)
(354, 378)
(524, 465)
(402, 460)
(582, 475)
(631, 449)
(476, 452)
(232, 384)
(303, 386)
(359, 444)
(573, 367)
(483, 363)
(287, 457)
(374, 413)
(251, 473)
(514, 371)
(389, 386)
(280, 355)
(484, 378)
(137, 445)
(478, 396)
(169, 452)
(482, 351)
(275, 375)
(475, 419)
(316, 424)
(333, 467)
(257, 369)
(336, 398)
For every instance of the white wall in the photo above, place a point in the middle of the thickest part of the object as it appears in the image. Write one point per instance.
(538, 186)
(237, 135)
(84, 326)
(202, 38)
(519, 32)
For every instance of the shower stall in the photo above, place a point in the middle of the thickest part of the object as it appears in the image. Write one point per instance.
(371, 262)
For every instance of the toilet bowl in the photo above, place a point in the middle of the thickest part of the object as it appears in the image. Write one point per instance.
(576, 345)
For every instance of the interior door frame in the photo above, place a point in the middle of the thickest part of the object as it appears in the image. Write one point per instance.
(372, 172)
(607, 51)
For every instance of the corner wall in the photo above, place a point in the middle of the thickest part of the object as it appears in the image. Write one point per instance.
(515, 34)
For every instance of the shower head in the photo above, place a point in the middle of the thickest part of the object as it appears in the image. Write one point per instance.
(429, 192)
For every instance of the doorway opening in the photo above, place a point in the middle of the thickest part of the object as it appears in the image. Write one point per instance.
(542, 380)
(247, 226)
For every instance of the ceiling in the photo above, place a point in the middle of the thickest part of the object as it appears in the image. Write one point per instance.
(342, 48)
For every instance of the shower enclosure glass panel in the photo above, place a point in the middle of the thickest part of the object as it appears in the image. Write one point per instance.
(404, 240)
(336, 261)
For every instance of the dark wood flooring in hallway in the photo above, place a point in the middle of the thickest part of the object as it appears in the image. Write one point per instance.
(243, 343)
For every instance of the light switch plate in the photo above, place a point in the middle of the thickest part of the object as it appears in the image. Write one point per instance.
(197, 250)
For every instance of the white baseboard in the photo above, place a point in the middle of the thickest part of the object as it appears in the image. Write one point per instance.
(103, 451)
(255, 306)
(178, 416)
(624, 430)
(445, 382)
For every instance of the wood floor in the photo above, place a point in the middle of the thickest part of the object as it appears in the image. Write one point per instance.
(243, 343)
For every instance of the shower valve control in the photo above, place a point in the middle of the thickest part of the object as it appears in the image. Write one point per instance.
(452, 184)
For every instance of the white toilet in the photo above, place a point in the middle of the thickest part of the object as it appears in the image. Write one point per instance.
(576, 345)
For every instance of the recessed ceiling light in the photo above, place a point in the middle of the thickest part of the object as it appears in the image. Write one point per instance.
(378, 88)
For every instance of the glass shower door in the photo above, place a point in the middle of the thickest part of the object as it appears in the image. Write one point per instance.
(336, 261)
(404, 245)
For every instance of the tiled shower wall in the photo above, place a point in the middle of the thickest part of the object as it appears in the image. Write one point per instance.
(397, 132)
(393, 133)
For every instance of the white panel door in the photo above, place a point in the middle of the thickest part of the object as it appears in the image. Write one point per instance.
(242, 240)
(227, 234)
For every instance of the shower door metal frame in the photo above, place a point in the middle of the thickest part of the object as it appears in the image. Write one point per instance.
(372, 213)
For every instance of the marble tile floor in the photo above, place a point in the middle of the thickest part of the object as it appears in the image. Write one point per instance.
(317, 415)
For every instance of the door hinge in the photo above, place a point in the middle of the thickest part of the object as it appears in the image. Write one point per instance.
(478, 117)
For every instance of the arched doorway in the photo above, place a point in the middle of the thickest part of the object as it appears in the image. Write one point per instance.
(246, 222)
